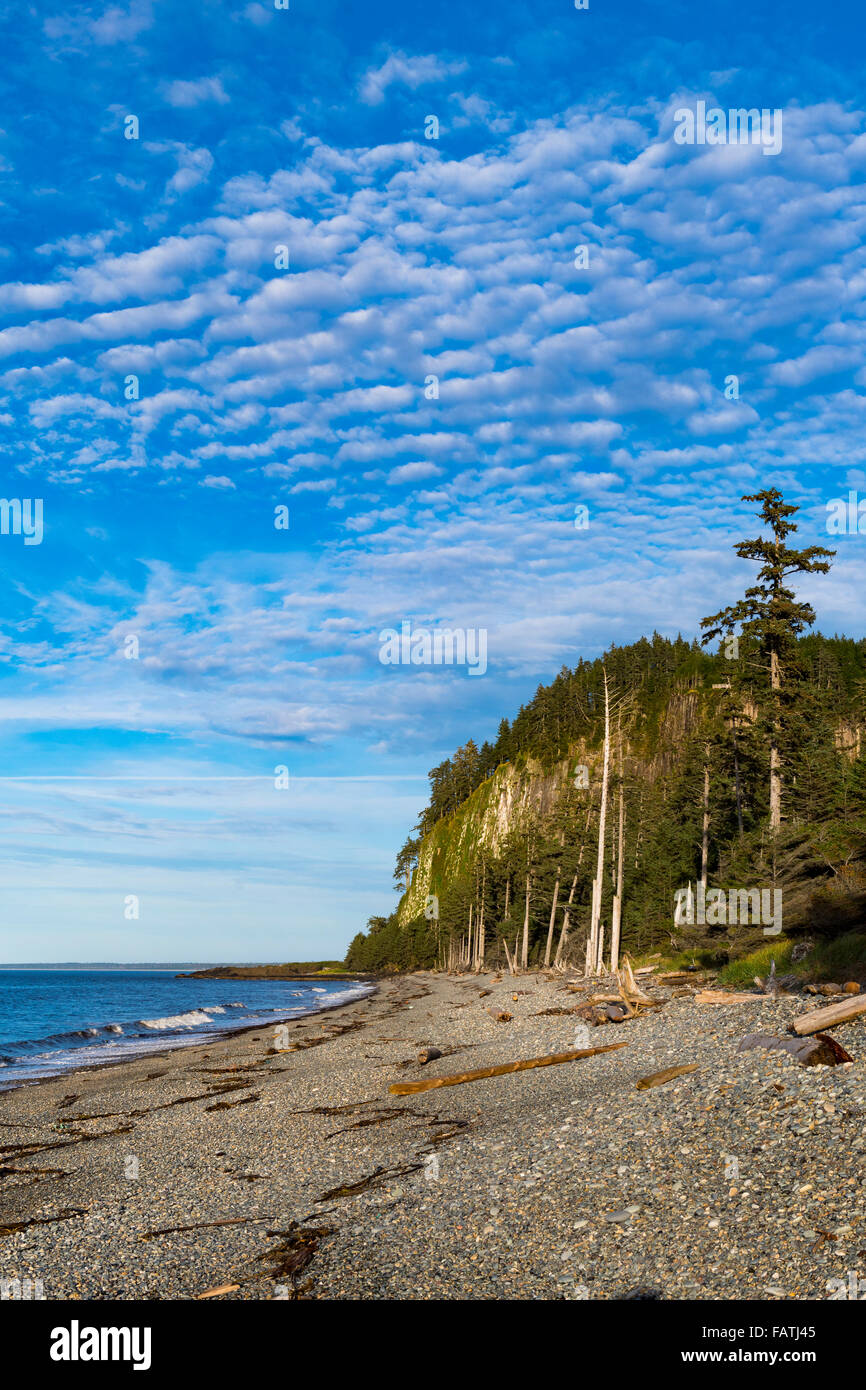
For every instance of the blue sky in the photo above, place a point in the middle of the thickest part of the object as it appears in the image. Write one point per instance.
(559, 386)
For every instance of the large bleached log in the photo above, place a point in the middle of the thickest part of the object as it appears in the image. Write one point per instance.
(412, 1088)
(719, 996)
(820, 1019)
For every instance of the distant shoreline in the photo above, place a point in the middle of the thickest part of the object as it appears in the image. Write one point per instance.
(78, 965)
(270, 972)
(205, 970)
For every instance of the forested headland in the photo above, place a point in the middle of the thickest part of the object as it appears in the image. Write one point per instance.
(660, 771)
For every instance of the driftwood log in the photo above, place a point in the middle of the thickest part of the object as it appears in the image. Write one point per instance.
(820, 1019)
(428, 1054)
(412, 1088)
(719, 996)
(659, 1078)
(820, 1050)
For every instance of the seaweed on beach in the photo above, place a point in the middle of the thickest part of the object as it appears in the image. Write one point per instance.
(27, 1150)
(437, 1139)
(36, 1174)
(292, 1256)
(167, 1105)
(337, 1030)
(347, 1109)
(228, 1104)
(382, 1117)
(378, 1176)
(67, 1214)
(101, 1115)
(232, 1070)
(149, 1109)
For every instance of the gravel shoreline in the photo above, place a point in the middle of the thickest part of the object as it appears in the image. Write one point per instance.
(741, 1180)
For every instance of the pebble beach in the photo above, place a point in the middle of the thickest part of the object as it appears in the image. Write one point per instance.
(272, 1165)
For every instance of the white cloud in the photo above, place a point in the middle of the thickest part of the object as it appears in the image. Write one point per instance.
(194, 93)
(411, 72)
(413, 472)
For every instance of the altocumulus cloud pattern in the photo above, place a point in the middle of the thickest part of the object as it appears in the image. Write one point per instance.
(318, 322)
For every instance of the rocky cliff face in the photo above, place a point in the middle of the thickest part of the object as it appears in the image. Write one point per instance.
(501, 804)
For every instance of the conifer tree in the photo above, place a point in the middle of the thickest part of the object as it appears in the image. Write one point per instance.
(770, 614)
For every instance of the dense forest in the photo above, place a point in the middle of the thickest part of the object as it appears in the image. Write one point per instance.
(729, 762)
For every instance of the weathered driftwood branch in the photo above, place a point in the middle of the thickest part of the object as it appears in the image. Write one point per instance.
(511, 969)
(411, 1088)
(631, 990)
(820, 1019)
(658, 1078)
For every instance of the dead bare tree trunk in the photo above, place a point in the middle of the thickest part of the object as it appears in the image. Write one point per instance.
(775, 762)
(563, 935)
(616, 913)
(550, 926)
(592, 945)
(480, 942)
(705, 820)
(511, 969)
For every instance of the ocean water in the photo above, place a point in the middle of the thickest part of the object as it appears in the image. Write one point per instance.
(54, 1020)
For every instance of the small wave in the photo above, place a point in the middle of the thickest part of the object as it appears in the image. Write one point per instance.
(213, 1008)
(113, 1028)
(188, 1020)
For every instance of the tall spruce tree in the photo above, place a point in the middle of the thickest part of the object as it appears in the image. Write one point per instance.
(770, 616)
